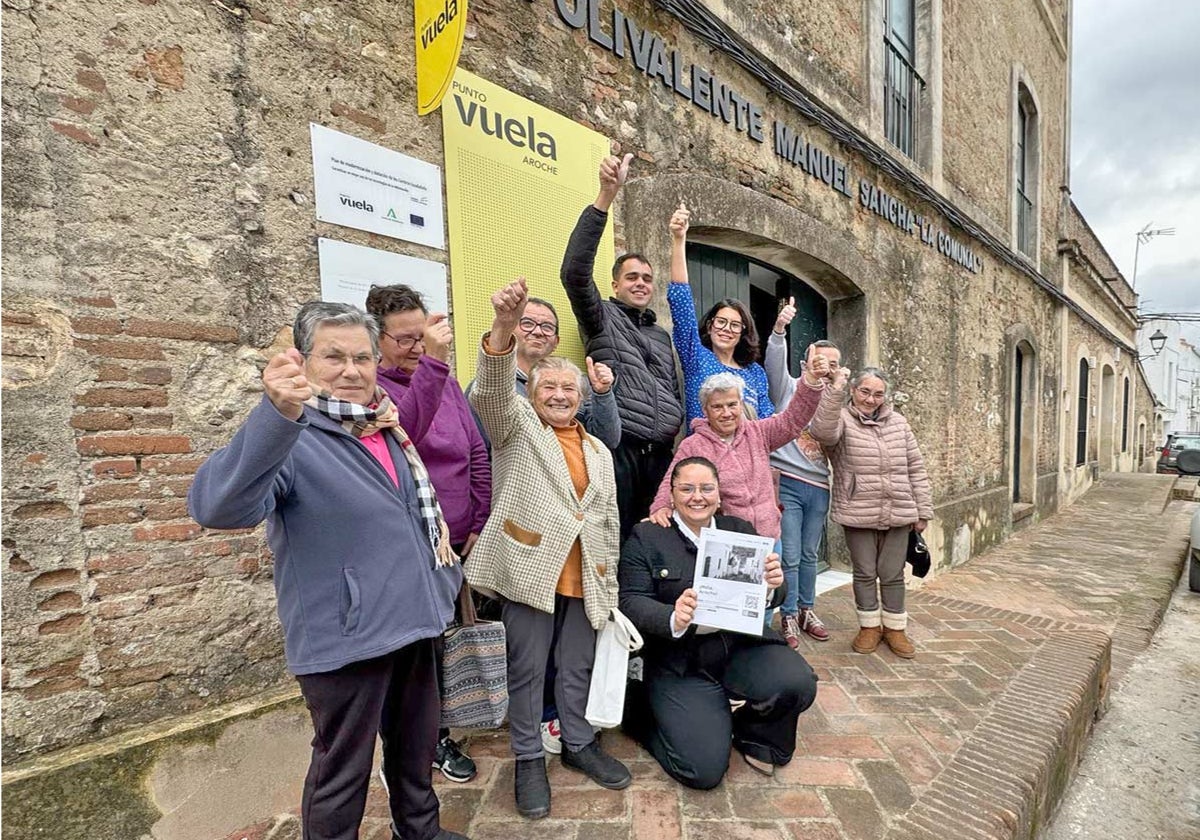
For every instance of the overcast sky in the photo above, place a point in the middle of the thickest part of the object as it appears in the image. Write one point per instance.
(1135, 144)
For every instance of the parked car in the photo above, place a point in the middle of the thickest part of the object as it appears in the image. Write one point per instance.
(1189, 464)
(1176, 443)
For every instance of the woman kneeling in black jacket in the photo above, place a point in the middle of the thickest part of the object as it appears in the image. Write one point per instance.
(691, 672)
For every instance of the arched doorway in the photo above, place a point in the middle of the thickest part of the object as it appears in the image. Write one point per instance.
(1108, 392)
(1081, 415)
(716, 274)
(1024, 386)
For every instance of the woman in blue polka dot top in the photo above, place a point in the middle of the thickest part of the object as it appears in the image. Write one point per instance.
(724, 341)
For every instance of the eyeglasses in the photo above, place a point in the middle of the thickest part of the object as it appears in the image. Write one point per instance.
(868, 394)
(726, 324)
(530, 326)
(405, 342)
(689, 489)
(362, 361)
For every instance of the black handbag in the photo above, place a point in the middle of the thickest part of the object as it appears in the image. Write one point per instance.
(918, 554)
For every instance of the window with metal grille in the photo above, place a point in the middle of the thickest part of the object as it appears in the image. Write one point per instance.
(902, 85)
(1082, 420)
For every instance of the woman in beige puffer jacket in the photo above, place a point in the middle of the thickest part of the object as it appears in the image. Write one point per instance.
(880, 492)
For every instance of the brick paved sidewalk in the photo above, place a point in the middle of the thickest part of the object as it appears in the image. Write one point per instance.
(975, 738)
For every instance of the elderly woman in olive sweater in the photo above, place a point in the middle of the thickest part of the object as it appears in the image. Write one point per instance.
(880, 493)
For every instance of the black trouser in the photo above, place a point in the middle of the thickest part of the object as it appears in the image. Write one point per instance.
(439, 647)
(395, 695)
(639, 466)
(692, 721)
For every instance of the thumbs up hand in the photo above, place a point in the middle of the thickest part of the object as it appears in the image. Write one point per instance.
(679, 222)
(816, 367)
(614, 171)
(600, 376)
(786, 313)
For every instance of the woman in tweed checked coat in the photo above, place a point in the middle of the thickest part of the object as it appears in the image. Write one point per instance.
(880, 493)
(549, 549)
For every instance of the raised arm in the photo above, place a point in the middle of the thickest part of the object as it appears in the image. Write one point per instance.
(579, 261)
(494, 394)
(781, 428)
(827, 425)
(237, 486)
(780, 382)
(419, 403)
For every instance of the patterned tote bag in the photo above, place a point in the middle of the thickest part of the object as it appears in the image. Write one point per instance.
(474, 670)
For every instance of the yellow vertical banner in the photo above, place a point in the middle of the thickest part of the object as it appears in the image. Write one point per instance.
(439, 26)
(517, 177)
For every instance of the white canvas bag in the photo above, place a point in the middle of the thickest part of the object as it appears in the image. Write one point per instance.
(606, 694)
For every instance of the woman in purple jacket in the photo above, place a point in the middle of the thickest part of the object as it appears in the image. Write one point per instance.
(453, 450)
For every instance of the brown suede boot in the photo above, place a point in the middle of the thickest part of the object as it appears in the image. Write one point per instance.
(867, 639)
(898, 641)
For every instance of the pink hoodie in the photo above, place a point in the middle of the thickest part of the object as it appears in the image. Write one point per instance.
(743, 464)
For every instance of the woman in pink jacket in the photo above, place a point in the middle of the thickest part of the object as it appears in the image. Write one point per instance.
(880, 493)
(741, 448)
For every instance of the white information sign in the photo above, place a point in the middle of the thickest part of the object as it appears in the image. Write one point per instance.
(730, 581)
(348, 271)
(365, 186)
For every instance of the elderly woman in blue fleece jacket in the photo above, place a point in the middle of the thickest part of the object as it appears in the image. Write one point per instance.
(364, 574)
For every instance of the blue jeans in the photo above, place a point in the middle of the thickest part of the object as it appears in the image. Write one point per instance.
(805, 507)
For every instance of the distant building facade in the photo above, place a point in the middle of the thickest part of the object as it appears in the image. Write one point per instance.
(1174, 375)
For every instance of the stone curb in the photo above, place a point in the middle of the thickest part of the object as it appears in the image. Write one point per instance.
(1006, 779)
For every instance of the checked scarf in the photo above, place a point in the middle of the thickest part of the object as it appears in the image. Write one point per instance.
(360, 421)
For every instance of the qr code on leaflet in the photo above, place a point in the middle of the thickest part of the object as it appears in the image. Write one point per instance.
(750, 606)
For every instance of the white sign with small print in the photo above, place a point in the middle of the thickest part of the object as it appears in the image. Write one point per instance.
(348, 272)
(365, 186)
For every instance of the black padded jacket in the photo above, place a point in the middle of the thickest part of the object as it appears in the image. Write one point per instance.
(657, 565)
(626, 339)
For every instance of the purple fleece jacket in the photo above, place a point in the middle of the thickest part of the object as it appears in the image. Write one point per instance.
(452, 449)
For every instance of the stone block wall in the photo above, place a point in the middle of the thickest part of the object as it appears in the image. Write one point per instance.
(160, 236)
(983, 45)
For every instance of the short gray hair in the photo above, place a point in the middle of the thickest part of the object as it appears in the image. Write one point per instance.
(866, 372)
(556, 363)
(319, 313)
(721, 382)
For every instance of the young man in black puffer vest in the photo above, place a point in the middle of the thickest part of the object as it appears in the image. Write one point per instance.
(622, 333)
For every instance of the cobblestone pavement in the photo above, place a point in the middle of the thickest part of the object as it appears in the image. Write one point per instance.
(976, 737)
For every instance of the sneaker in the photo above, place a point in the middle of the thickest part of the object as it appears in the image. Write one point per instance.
(551, 737)
(812, 625)
(867, 640)
(532, 788)
(454, 764)
(898, 641)
(599, 766)
(791, 630)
